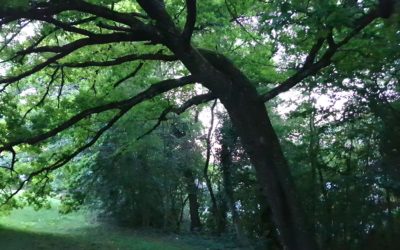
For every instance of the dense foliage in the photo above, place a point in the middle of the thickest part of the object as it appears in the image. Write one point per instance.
(103, 104)
(138, 183)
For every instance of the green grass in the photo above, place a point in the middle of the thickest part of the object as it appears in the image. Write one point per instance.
(47, 229)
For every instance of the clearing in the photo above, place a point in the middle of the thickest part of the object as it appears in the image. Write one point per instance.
(47, 229)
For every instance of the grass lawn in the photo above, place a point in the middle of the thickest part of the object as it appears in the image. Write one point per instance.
(47, 229)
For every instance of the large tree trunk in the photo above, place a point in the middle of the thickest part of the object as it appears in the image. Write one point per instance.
(250, 118)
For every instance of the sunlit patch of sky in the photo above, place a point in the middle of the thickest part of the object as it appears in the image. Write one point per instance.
(332, 101)
(26, 33)
(27, 92)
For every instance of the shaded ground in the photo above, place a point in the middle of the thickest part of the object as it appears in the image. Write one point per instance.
(47, 229)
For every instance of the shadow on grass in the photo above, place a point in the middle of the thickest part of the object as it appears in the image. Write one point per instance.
(12, 239)
(28, 229)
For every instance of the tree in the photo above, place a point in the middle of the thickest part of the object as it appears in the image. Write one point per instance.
(70, 48)
(138, 183)
(335, 151)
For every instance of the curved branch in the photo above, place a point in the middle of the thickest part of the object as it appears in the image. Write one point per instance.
(38, 40)
(64, 160)
(130, 19)
(8, 15)
(314, 52)
(160, 119)
(120, 60)
(66, 26)
(311, 68)
(113, 27)
(46, 93)
(233, 13)
(55, 7)
(133, 74)
(152, 91)
(156, 10)
(91, 40)
(190, 21)
(7, 41)
(196, 100)
(13, 159)
(66, 50)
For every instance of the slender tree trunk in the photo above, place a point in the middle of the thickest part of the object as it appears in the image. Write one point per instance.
(312, 154)
(348, 196)
(226, 164)
(216, 211)
(391, 223)
(214, 205)
(181, 212)
(195, 223)
(328, 222)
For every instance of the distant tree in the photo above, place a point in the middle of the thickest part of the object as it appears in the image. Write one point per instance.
(139, 183)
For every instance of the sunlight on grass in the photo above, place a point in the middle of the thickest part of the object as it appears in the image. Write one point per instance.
(47, 229)
(45, 221)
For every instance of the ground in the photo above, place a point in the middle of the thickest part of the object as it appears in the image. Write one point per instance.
(47, 229)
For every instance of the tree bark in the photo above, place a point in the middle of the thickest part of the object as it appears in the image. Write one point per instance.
(250, 118)
(260, 141)
(195, 223)
(226, 164)
(216, 211)
(313, 160)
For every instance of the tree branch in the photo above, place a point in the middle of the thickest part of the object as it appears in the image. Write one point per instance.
(156, 10)
(233, 13)
(46, 93)
(133, 74)
(7, 41)
(55, 7)
(313, 52)
(113, 27)
(66, 26)
(13, 159)
(37, 41)
(190, 21)
(311, 68)
(120, 60)
(152, 91)
(66, 50)
(64, 160)
(196, 100)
